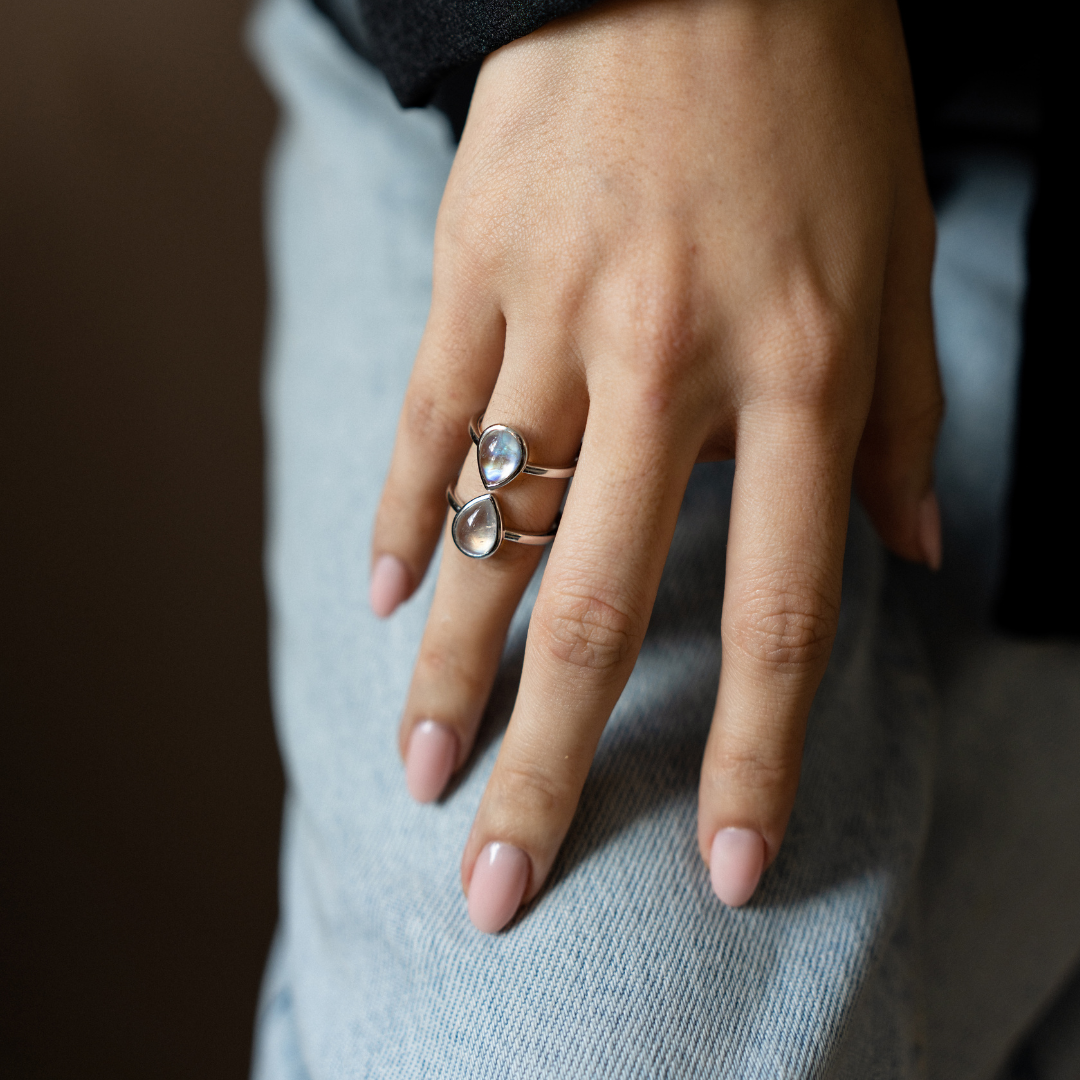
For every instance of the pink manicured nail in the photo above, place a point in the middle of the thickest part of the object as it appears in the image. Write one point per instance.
(389, 585)
(498, 884)
(735, 864)
(429, 760)
(930, 530)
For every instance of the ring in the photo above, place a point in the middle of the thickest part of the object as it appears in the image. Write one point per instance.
(478, 529)
(502, 454)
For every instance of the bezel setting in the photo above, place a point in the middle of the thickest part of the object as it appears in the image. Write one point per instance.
(462, 522)
(524, 466)
(485, 453)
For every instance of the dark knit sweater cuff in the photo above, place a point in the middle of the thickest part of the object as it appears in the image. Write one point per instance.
(418, 43)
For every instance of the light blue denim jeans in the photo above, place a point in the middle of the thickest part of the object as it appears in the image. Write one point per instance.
(922, 915)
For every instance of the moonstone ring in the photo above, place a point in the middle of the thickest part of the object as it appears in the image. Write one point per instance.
(478, 529)
(503, 454)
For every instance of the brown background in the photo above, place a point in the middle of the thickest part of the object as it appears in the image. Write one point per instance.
(139, 785)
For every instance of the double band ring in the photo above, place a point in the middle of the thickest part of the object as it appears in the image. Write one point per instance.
(478, 528)
(503, 454)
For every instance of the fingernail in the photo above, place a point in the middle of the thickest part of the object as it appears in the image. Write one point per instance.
(735, 865)
(498, 884)
(930, 530)
(389, 585)
(429, 760)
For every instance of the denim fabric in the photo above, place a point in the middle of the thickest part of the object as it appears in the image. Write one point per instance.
(853, 957)
(978, 288)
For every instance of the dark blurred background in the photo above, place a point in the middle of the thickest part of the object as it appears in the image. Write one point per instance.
(140, 788)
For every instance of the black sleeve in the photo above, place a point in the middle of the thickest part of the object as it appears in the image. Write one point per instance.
(418, 43)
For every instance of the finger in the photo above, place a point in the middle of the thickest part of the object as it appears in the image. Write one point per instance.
(894, 467)
(458, 661)
(456, 367)
(476, 599)
(781, 599)
(586, 629)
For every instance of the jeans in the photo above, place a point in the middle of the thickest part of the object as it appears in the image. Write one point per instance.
(921, 916)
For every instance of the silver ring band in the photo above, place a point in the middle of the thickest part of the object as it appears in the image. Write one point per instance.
(502, 454)
(478, 530)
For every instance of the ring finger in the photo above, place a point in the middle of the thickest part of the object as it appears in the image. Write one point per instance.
(475, 599)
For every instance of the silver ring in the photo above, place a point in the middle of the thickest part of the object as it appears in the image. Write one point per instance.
(503, 454)
(478, 530)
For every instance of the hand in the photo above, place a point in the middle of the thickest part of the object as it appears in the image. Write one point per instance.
(675, 230)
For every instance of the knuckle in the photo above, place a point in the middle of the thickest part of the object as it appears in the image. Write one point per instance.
(666, 339)
(429, 421)
(534, 792)
(439, 666)
(819, 348)
(470, 235)
(919, 424)
(759, 766)
(658, 324)
(586, 631)
(788, 630)
(899, 434)
(896, 442)
(403, 518)
(809, 346)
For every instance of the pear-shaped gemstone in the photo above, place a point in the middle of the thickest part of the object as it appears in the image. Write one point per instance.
(476, 527)
(501, 455)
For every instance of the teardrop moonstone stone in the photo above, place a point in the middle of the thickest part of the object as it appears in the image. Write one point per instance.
(500, 456)
(476, 528)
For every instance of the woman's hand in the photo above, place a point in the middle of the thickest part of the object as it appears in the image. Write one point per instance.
(674, 230)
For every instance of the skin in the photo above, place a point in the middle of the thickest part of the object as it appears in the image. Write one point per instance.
(675, 230)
